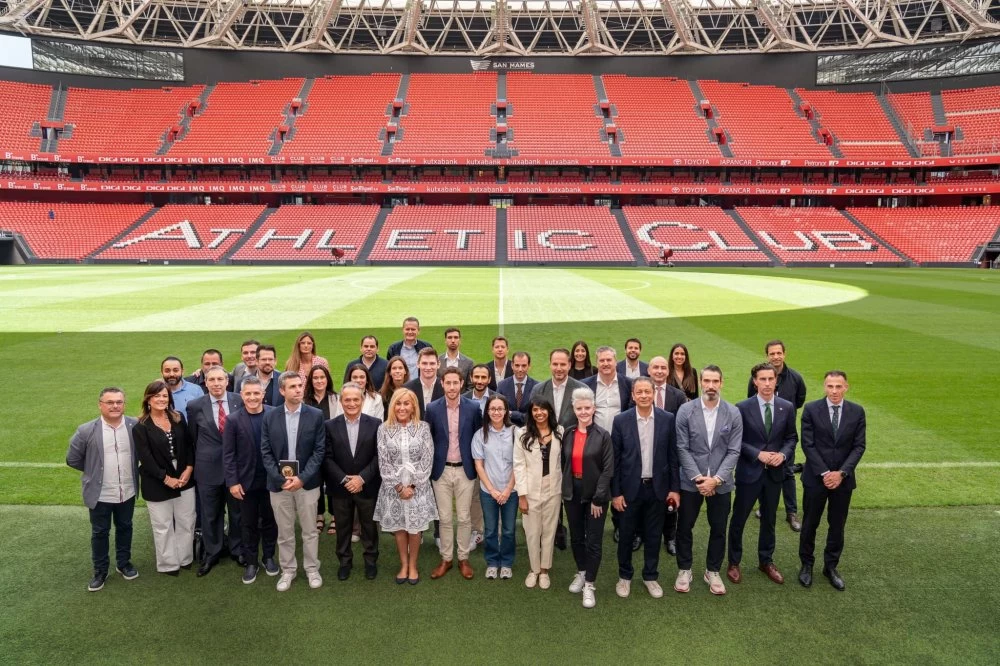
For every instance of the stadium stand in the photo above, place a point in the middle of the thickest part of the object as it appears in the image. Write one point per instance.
(185, 233)
(437, 233)
(68, 231)
(703, 234)
(976, 114)
(554, 234)
(813, 235)
(916, 112)
(309, 233)
(22, 107)
(554, 116)
(857, 122)
(945, 234)
(448, 115)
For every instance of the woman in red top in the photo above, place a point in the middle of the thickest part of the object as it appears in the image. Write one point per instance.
(588, 466)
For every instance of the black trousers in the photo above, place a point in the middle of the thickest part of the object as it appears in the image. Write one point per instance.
(586, 534)
(669, 525)
(814, 501)
(788, 488)
(767, 491)
(215, 500)
(100, 533)
(718, 514)
(642, 516)
(343, 509)
(257, 525)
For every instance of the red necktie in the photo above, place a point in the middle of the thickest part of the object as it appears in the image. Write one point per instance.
(222, 419)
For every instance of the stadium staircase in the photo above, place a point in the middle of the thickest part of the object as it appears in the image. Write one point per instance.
(609, 118)
(245, 238)
(711, 122)
(373, 235)
(761, 245)
(501, 242)
(185, 123)
(124, 234)
(501, 150)
(291, 113)
(874, 236)
(814, 123)
(394, 118)
(633, 244)
(897, 124)
(51, 135)
(941, 120)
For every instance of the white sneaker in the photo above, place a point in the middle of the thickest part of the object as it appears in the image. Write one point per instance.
(683, 582)
(355, 538)
(285, 582)
(589, 600)
(530, 580)
(715, 583)
(475, 540)
(506, 573)
(577, 585)
(315, 580)
(623, 588)
(491, 573)
(654, 588)
(543, 581)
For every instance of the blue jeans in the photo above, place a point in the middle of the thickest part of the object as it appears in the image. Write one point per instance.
(499, 551)
(100, 531)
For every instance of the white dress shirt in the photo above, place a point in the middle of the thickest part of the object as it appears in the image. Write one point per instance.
(558, 391)
(607, 403)
(646, 426)
(118, 484)
(224, 400)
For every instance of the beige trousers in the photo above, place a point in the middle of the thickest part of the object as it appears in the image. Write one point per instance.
(286, 506)
(455, 488)
(172, 522)
(540, 527)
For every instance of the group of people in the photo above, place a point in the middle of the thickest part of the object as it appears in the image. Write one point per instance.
(419, 441)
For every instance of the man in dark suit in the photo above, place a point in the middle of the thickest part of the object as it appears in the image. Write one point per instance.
(210, 358)
(206, 420)
(709, 437)
(267, 358)
(426, 384)
(791, 387)
(769, 438)
(631, 366)
(453, 421)
(645, 478)
(517, 388)
(370, 359)
(500, 367)
(453, 356)
(833, 440)
(350, 469)
(558, 389)
(670, 399)
(294, 432)
(247, 480)
(410, 346)
(479, 390)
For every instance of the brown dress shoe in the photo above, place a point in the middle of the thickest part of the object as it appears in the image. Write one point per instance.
(441, 569)
(772, 572)
(733, 573)
(793, 522)
(466, 569)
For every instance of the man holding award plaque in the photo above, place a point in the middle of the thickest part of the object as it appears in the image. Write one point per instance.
(293, 442)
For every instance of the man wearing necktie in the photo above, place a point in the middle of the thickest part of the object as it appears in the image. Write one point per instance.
(517, 388)
(769, 437)
(206, 419)
(833, 440)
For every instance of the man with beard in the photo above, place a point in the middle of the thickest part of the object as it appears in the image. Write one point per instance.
(369, 358)
(631, 366)
(266, 358)
(182, 391)
(248, 364)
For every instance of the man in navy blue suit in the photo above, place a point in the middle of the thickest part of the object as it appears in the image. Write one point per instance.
(769, 438)
(453, 421)
(645, 478)
(294, 432)
(517, 388)
(631, 366)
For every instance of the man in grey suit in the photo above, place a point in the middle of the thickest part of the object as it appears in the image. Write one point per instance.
(558, 389)
(206, 418)
(453, 356)
(709, 439)
(104, 451)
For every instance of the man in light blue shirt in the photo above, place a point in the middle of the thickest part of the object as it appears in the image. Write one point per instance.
(182, 391)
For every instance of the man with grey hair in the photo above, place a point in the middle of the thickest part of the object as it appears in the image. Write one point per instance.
(206, 418)
(292, 445)
(103, 449)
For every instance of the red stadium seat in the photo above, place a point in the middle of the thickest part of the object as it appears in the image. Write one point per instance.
(72, 231)
(702, 234)
(948, 234)
(309, 233)
(554, 234)
(437, 233)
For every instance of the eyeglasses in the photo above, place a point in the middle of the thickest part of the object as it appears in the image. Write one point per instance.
(498, 409)
(113, 403)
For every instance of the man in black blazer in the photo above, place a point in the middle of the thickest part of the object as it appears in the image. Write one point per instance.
(206, 419)
(769, 438)
(500, 367)
(267, 358)
(479, 386)
(410, 346)
(558, 389)
(426, 384)
(631, 366)
(833, 440)
(350, 469)
(646, 477)
(370, 359)
(294, 432)
(670, 399)
(517, 388)
(247, 480)
(210, 358)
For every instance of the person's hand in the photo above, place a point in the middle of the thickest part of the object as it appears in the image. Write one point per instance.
(406, 493)
(354, 484)
(522, 504)
(676, 497)
(596, 510)
(832, 480)
(503, 497)
(236, 491)
(618, 503)
(292, 484)
(707, 485)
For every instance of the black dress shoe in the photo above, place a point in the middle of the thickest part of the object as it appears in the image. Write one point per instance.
(186, 567)
(806, 576)
(205, 567)
(343, 573)
(672, 547)
(371, 571)
(175, 572)
(835, 579)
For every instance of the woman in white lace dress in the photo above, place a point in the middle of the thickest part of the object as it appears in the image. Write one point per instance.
(405, 504)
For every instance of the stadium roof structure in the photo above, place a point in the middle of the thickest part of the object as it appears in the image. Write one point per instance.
(488, 28)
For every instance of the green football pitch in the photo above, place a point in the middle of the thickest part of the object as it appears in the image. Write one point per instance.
(920, 348)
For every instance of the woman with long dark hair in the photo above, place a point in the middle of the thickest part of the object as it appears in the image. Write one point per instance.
(304, 356)
(166, 463)
(396, 374)
(538, 482)
(579, 357)
(682, 375)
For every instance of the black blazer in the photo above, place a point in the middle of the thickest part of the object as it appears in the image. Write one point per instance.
(338, 461)
(783, 439)
(508, 389)
(624, 390)
(418, 388)
(206, 439)
(826, 453)
(239, 449)
(598, 465)
(673, 398)
(153, 451)
(508, 371)
(628, 457)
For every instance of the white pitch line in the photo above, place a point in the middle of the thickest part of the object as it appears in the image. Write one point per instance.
(500, 306)
(875, 465)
